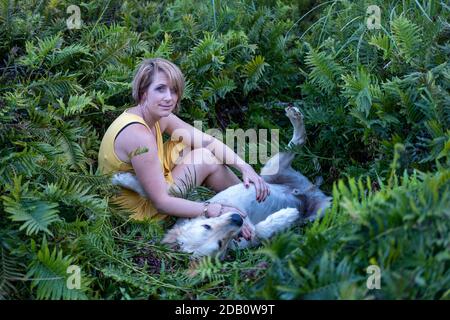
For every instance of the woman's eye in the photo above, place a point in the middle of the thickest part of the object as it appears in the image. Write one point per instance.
(206, 226)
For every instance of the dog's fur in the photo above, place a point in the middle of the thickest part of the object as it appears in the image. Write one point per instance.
(292, 197)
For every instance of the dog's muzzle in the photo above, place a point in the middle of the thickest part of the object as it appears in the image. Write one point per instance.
(236, 219)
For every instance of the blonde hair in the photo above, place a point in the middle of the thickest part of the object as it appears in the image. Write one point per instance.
(145, 74)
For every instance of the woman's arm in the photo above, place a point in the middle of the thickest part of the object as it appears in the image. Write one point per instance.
(197, 139)
(149, 173)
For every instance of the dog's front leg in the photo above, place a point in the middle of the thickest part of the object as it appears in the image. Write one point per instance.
(273, 224)
(276, 222)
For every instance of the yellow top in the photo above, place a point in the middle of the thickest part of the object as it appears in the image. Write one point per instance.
(108, 162)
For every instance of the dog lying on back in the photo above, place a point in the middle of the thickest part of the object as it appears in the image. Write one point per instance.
(292, 198)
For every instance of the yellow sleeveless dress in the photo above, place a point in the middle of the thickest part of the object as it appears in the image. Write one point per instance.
(108, 162)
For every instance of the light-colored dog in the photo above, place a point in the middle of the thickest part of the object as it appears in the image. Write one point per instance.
(292, 197)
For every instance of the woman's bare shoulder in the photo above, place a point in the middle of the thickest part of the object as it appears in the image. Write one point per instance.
(131, 138)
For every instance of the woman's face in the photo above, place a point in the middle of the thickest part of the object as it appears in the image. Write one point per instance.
(160, 98)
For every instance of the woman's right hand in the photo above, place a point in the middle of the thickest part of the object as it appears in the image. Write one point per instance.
(216, 209)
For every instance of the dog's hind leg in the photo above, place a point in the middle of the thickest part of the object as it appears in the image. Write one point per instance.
(296, 118)
(281, 162)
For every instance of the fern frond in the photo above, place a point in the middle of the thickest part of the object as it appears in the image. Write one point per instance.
(407, 36)
(57, 85)
(76, 105)
(67, 141)
(324, 70)
(70, 52)
(218, 87)
(207, 54)
(17, 163)
(253, 72)
(165, 49)
(37, 215)
(383, 43)
(49, 274)
(36, 54)
(10, 271)
(75, 194)
(360, 89)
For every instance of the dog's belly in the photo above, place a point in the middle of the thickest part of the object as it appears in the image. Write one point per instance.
(245, 199)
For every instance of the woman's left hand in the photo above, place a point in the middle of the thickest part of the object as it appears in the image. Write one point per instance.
(262, 188)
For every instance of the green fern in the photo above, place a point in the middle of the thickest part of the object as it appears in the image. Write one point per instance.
(75, 105)
(37, 54)
(324, 70)
(48, 272)
(11, 270)
(165, 49)
(383, 43)
(207, 54)
(217, 88)
(253, 72)
(361, 89)
(407, 37)
(37, 215)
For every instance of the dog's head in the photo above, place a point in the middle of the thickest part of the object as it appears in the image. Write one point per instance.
(205, 236)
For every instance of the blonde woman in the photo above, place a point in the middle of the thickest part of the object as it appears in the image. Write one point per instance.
(133, 142)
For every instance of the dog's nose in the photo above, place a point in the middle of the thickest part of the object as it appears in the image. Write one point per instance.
(236, 219)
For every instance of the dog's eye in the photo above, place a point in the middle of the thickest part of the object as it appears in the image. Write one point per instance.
(206, 226)
(220, 243)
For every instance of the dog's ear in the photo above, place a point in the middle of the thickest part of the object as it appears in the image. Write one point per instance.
(317, 207)
(171, 237)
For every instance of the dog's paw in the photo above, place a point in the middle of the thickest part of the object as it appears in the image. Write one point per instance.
(294, 114)
(129, 181)
(122, 178)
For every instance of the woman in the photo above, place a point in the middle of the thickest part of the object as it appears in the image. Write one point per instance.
(133, 142)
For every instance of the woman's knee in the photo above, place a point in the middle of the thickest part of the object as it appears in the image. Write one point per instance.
(203, 156)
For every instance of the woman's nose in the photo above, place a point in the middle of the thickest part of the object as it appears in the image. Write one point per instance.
(168, 95)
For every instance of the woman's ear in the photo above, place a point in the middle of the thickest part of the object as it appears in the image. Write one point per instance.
(144, 96)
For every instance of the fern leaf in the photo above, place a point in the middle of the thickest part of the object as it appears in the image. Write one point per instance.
(76, 105)
(49, 274)
(9, 272)
(383, 43)
(165, 49)
(207, 54)
(36, 215)
(218, 87)
(253, 72)
(360, 90)
(324, 70)
(407, 37)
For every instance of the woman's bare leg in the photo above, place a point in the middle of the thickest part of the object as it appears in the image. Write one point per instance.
(201, 167)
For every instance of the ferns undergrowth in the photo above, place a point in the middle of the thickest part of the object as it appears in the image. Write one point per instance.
(377, 113)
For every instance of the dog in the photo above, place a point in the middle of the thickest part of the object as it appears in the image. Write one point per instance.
(293, 198)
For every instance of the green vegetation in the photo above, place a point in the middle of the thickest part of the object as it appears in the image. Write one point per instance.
(377, 113)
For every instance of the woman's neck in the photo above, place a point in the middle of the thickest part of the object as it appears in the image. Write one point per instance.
(140, 111)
